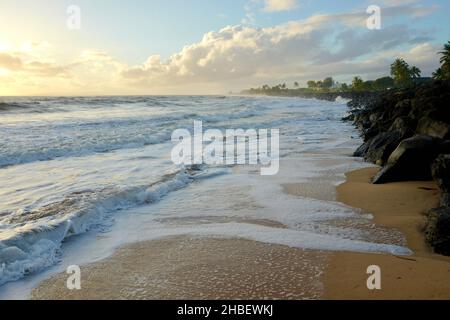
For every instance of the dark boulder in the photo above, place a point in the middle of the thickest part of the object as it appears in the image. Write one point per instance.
(371, 133)
(362, 150)
(437, 232)
(380, 147)
(410, 127)
(431, 99)
(404, 126)
(411, 160)
(349, 117)
(434, 128)
(362, 121)
(401, 109)
(441, 112)
(440, 170)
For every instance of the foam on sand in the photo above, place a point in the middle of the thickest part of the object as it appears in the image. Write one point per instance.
(31, 248)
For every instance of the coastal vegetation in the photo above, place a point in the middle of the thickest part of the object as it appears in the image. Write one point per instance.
(404, 121)
(407, 132)
(402, 75)
(443, 72)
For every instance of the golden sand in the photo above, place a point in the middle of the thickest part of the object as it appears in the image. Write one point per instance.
(194, 268)
(402, 206)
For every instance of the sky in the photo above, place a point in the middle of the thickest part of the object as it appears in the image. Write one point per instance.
(114, 47)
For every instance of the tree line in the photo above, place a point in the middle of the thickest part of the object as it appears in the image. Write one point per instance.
(401, 75)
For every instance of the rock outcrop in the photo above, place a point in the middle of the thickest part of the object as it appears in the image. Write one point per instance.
(358, 98)
(411, 160)
(437, 232)
(407, 132)
(440, 170)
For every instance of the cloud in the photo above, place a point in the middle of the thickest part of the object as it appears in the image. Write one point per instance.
(44, 69)
(14, 62)
(28, 70)
(294, 50)
(395, 3)
(10, 62)
(280, 5)
(235, 57)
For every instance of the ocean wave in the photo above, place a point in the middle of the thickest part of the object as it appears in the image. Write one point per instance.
(47, 153)
(32, 240)
(43, 142)
(5, 106)
(342, 100)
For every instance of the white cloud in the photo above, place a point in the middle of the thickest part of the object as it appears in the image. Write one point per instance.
(232, 58)
(394, 3)
(280, 5)
(317, 46)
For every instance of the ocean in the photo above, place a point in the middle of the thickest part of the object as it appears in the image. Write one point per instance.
(81, 176)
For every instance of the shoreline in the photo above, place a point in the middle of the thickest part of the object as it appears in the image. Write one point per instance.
(358, 97)
(191, 268)
(402, 206)
(228, 268)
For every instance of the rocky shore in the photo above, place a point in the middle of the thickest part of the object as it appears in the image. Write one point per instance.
(407, 132)
(359, 97)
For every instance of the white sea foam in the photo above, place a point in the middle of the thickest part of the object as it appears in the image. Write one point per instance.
(34, 246)
(339, 99)
(98, 156)
(288, 237)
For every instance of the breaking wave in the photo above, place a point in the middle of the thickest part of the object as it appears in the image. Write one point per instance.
(34, 242)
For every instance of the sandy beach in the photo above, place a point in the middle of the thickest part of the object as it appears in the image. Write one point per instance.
(239, 150)
(195, 268)
(402, 206)
(204, 268)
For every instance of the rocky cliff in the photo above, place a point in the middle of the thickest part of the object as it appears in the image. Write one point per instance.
(407, 132)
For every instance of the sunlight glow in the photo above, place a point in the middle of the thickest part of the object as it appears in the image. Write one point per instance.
(5, 46)
(3, 72)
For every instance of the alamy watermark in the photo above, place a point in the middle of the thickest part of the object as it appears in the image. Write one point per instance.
(374, 280)
(374, 20)
(74, 280)
(232, 147)
(74, 17)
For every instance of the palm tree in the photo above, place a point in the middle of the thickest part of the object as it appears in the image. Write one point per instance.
(296, 84)
(445, 59)
(400, 71)
(439, 74)
(444, 71)
(328, 82)
(415, 72)
(403, 74)
(311, 84)
(357, 83)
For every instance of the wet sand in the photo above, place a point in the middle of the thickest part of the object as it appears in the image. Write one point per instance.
(211, 268)
(195, 268)
(402, 206)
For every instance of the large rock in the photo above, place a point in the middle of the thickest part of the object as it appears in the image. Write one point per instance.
(362, 150)
(404, 126)
(400, 110)
(422, 109)
(438, 230)
(411, 160)
(380, 147)
(362, 121)
(434, 128)
(440, 170)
